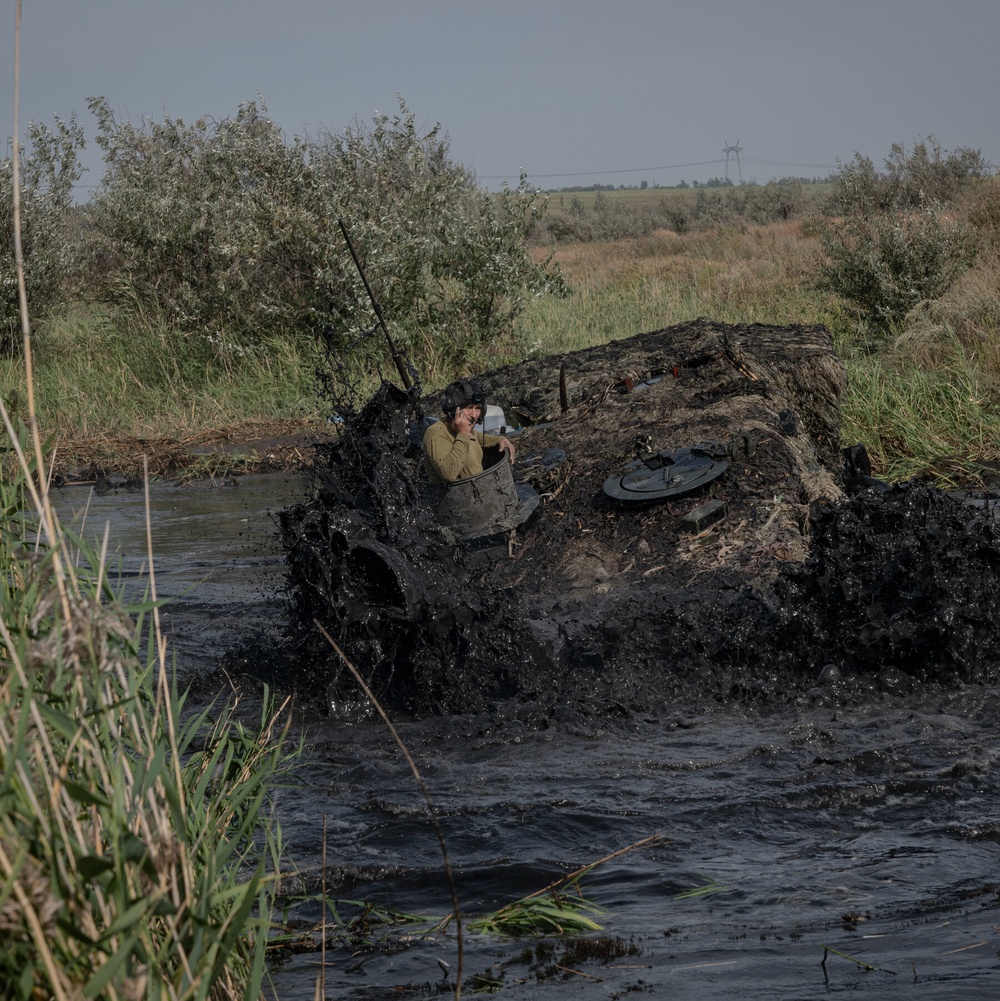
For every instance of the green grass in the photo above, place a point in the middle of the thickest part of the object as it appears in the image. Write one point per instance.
(642, 284)
(558, 912)
(357, 923)
(712, 886)
(928, 413)
(94, 374)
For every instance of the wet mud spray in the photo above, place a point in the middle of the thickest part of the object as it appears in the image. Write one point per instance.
(799, 694)
(814, 575)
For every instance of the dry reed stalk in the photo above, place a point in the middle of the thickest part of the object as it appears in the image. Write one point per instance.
(418, 778)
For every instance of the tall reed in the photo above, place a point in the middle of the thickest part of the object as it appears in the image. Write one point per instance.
(137, 852)
(134, 833)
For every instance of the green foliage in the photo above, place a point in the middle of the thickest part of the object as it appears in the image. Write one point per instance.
(48, 168)
(705, 889)
(883, 264)
(924, 407)
(614, 219)
(131, 849)
(140, 381)
(760, 204)
(226, 229)
(203, 224)
(926, 175)
(560, 910)
(13, 530)
(896, 246)
(983, 212)
(553, 913)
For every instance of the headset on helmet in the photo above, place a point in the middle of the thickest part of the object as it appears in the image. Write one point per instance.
(463, 393)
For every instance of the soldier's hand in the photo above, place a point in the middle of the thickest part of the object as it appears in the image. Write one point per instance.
(465, 420)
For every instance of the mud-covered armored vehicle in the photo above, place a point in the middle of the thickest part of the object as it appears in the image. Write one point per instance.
(779, 568)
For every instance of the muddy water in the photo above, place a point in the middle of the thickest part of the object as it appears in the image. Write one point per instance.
(218, 565)
(846, 820)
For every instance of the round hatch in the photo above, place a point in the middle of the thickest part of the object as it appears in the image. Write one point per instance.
(661, 475)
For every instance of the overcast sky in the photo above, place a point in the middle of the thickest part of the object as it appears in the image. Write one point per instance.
(572, 91)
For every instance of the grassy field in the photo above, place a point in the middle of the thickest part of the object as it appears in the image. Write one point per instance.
(749, 275)
(649, 198)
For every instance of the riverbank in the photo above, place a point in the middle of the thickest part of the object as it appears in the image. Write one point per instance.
(108, 393)
(221, 453)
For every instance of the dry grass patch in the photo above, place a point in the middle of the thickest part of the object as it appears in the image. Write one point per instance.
(735, 275)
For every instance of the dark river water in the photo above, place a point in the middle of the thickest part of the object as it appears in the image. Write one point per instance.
(867, 825)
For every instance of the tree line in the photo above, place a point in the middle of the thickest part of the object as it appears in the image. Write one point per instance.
(228, 231)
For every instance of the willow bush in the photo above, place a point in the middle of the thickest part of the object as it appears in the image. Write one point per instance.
(49, 167)
(227, 230)
(896, 243)
(137, 854)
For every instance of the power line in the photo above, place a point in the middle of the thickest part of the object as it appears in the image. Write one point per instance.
(599, 173)
(625, 170)
(782, 163)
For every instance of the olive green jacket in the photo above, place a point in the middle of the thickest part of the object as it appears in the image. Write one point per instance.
(450, 456)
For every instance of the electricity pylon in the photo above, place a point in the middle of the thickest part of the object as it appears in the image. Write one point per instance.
(728, 150)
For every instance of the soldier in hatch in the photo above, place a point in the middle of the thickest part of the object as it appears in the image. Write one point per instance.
(452, 451)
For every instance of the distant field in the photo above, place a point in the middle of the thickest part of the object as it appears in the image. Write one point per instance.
(649, 197)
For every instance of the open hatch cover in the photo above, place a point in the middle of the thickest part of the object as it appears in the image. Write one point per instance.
(661, 475)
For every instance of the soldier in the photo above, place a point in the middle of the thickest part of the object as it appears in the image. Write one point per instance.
(452, 451)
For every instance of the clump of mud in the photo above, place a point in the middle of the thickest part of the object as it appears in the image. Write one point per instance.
(598, 603)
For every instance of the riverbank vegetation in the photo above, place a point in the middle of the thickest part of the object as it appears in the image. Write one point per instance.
(138, 854)
(206, 283)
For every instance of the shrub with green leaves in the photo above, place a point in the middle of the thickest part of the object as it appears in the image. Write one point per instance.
(226, 229)
(895, 244)
(884, 264)
(928, 174)
(49, 167)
